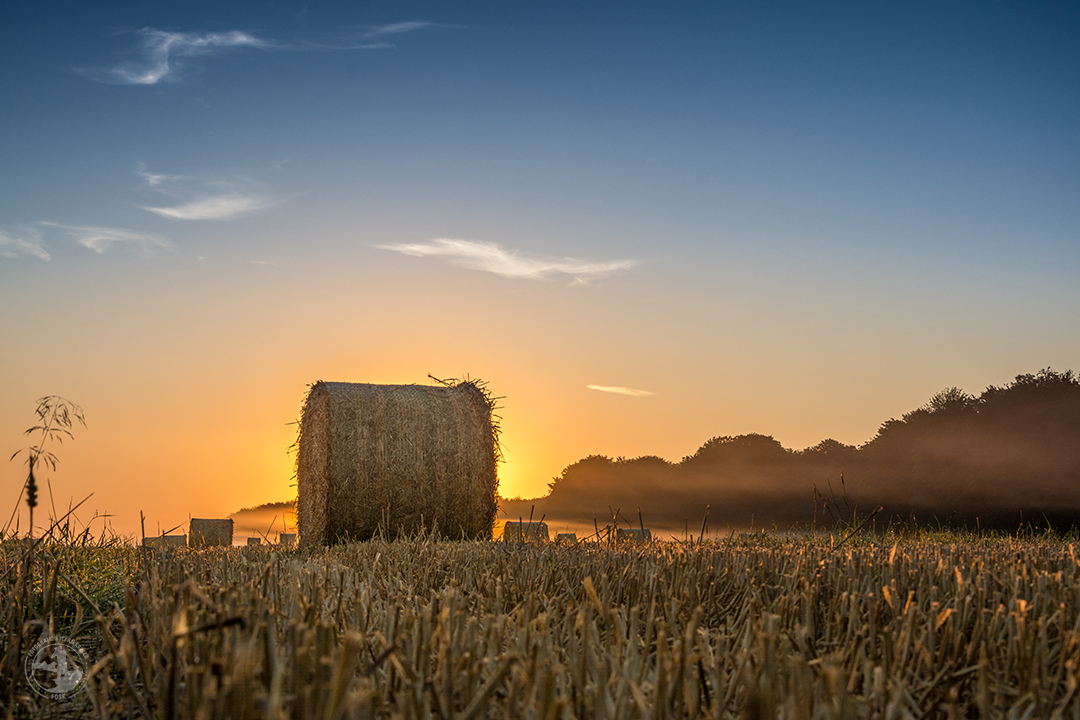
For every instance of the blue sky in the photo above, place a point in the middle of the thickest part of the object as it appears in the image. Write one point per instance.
(790, 218)
(798, 124)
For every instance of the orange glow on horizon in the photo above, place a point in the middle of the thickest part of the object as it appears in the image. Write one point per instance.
(195, 419)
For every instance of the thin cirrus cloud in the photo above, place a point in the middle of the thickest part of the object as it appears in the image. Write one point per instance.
(373, 37)
(160, 53)
(491, 257)
(28, 243)
(217, 207)
(102, 239)
(397, 28)
(632, 392)
(194, 199)
(154, 179)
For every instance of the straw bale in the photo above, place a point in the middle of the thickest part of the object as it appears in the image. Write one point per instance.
(211, 533)
(254, 541)
(633, 535)
(286, 538)
(566, 538)
(401, 458)
(525, 532)
(160, 541)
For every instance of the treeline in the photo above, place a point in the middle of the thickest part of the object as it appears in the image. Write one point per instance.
(1006, 456)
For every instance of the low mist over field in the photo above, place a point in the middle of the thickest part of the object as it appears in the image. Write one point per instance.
(264, 520)
(1004, 457)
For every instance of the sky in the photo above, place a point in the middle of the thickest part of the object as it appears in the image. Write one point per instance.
(644, 225)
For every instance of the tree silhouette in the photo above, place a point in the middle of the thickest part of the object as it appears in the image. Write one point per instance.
(958, 458)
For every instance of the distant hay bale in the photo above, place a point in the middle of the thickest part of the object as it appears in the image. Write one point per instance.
(160, 541)
(566, 538)
(211, 533)
(404, 458)
(254, 541)
(525, 532)
(633, 535)
(286, 538)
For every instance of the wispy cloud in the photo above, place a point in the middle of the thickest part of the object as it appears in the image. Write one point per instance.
(219, 207)
(397, 28)
(160, 53)
(620, 390)
(492, 258)
(101, 239)
(193, 198)
(155, 179)
(27, 243)
(373, 37)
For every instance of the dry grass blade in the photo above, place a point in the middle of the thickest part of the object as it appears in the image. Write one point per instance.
(758, 626)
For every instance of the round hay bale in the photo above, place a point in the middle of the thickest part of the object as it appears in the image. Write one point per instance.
(401, 458)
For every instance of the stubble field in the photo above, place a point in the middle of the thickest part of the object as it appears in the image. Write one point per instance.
(754, 626)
